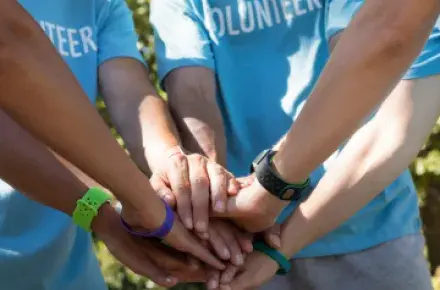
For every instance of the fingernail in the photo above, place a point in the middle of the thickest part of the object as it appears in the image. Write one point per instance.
(205, 236)
(248, 247)
(226, 254)
(189, 223)
(168, 198)
(212, 284)
(201, 226)
(219, 206)
(239, 259)
(170, 280)
(276, 241)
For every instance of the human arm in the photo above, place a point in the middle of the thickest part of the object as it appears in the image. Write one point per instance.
(360, 73)
(30, 167)
(370, 58)
(60, 114)
(371, 160)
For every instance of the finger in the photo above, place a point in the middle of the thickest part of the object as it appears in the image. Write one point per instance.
(163, 191)
(229, 237)
(272, 236)
(218, 184)
(180, 185)
(233, 184)
(199, 192)
(218, 244)
(181, 239)
(145, 267)
(213, 281)
(245, 241)
(228, 275)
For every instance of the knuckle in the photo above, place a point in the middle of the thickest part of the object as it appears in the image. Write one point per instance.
(201, 181)
(178, 159)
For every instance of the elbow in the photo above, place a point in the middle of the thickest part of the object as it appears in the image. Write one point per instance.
(399, 27)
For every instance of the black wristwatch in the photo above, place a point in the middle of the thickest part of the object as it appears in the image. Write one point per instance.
(271, 181)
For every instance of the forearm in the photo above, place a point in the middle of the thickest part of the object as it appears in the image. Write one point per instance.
(29, 166)
(192, 98)
(41, 94)
(139, 114)
(372, 54)
(372, 160)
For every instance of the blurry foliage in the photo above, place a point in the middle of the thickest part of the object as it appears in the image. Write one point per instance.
(426, 172)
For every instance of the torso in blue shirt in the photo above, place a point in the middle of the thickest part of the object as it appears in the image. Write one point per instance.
(268, 55)
(40, 248)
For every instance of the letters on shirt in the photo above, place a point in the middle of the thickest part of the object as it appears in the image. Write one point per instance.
(70, 42)
(250, 15)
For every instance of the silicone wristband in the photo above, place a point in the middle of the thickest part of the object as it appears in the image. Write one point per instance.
(88, 206)
(161, 232)
(283, 263)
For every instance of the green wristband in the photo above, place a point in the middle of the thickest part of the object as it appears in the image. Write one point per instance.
(283, 263)
(88, 206)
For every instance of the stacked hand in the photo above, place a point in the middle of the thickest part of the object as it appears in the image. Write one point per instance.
(197, 188)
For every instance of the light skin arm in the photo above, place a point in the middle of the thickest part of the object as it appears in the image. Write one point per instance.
(370, 58)
(371, 160)
(40, 93)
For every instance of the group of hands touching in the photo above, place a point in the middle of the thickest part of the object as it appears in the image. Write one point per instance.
(217, 217)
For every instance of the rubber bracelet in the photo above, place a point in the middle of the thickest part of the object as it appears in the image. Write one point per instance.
(88, 206)
(159, 233)
(283, 263)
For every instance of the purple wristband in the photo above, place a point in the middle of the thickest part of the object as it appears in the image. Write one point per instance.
(161, 232)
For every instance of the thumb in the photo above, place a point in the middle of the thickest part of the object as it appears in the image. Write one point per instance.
(162, 190)
(272, 236)
(243, 281)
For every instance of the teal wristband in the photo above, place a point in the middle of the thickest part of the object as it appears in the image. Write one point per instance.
(283, 263)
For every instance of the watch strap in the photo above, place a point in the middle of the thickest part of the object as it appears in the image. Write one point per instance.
(159, 233)
(283, 263)
(273, 183)
(88, 206)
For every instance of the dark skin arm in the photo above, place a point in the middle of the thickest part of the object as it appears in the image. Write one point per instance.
(22, 158)
(34, 79)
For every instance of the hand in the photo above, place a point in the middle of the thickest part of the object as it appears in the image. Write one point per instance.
(179, 238)
(229, 242)
(191, 182)
(257, 270)
(225, 277)
(253, 208)
(161, 264)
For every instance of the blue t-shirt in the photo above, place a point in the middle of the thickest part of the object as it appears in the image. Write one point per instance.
(427, 64)
(40, 248)
(268, 55)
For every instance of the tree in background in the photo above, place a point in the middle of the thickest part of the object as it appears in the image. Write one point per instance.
(426, 172)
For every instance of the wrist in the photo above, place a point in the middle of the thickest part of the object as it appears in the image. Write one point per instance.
(286, 169)
(103, 223)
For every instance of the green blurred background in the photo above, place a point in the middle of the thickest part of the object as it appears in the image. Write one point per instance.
(426, 172)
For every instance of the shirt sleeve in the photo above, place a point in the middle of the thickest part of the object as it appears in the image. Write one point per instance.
(340, 14)
(117, 35)
(427, 64)
(181, 38)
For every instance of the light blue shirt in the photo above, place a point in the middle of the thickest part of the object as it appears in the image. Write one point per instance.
(427, 64)
(40, 248)
(267, 56)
